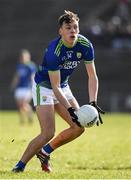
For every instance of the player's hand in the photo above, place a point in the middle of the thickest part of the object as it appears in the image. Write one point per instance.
(100, 111)
(73, 115)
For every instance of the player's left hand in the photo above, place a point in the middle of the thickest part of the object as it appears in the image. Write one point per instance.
(73, 115)
(100, 111)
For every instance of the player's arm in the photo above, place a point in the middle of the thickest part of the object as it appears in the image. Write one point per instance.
(93, 88)
(55, 83)
(92, 78)
(33, 71)
(32, 77)
(14, 82)
(92, 81)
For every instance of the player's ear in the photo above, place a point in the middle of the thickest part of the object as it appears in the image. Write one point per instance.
(60, 31)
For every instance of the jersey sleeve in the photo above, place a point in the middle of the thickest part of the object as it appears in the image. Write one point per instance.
(51, 61)
(89, 54)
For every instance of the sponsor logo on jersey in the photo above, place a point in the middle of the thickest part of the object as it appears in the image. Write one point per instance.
(70, 64)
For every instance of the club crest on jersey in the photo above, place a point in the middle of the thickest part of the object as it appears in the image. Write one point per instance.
(78, 54)
(44, 98)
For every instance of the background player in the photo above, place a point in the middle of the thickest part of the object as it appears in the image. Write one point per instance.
(22, 84)
(51, 91)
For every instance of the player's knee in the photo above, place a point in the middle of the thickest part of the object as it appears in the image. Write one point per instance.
(47, 136)
(78, 130)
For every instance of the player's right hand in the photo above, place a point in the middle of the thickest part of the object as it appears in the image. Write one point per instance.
(73, 115)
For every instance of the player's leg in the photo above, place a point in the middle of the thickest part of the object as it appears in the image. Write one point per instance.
(62, 138)
(28, 110)
(47, 124)
(70, 133)
(46, 118)
(21, 112)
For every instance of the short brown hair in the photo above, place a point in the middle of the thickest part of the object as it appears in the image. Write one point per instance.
(24, 51)
(67, 17)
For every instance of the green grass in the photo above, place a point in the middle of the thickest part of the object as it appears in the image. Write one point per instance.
(100, 153)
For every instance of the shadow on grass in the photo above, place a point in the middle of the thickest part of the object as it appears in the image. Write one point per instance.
(4, 172)
(103, 168)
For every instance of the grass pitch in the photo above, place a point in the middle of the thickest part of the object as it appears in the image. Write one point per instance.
(100, 153)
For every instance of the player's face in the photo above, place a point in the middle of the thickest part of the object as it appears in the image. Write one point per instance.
(25, 58)
(69, 32)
